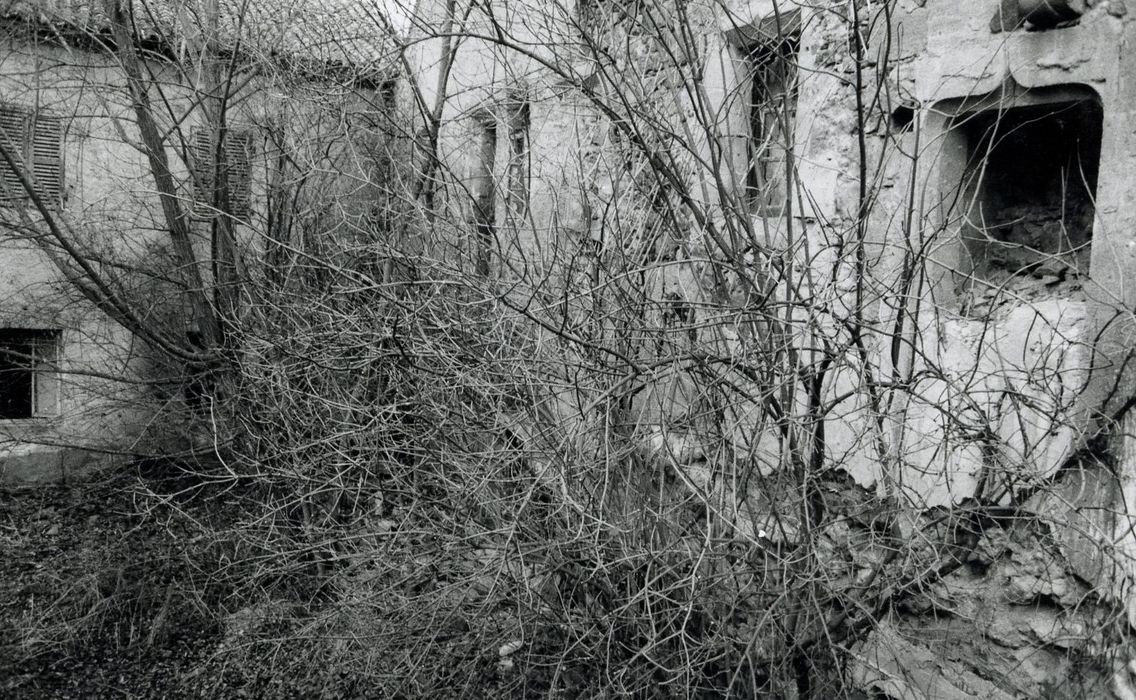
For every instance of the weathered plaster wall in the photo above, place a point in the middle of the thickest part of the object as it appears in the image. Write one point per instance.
(1018, 365)
(575, 175)
(100, 173)
(971, 362)
(110, 205)
(964, 60)
(483, 82)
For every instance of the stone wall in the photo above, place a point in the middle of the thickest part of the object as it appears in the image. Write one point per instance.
(992, 339)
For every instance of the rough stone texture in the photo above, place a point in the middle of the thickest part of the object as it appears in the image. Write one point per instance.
(899, 668)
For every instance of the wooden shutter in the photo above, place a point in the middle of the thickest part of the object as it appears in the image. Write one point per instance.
(238, 171)
(47, 158)
(14, 124)
(238, 156)
(201, 167)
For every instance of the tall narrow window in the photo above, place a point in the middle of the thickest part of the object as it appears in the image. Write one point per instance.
(485, 193)
(34, 143)
(214, 182)
(29, 384)
(772, 110)
(518, 176)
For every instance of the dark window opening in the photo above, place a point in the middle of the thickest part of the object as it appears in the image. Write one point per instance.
(388, 94)
(485, 194)
(29, 385)
(772, 111)
(902, 119)
(1030, 184)
(499, 180)
(1036, 15)
(518, 175)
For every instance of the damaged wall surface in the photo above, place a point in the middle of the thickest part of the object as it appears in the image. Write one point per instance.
(945, 232)
(91, 392)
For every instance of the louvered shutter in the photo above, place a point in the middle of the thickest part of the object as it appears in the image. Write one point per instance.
(201, 162)
(47, 158)
(238, 154)
(14, 137)
(238, 171)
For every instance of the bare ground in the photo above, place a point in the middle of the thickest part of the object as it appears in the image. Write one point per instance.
(99, 596)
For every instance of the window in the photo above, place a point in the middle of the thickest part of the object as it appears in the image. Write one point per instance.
(771, 67)
(29, 384)
(484, 190)
(501, 138)
(35, 141)
(518, 176)
(233, 179)
(1030, 187)
(1036, 15)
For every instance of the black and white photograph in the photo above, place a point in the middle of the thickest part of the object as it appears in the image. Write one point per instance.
(568, 349)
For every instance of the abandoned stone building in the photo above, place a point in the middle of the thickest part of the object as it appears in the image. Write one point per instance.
(990, 142)
(1003, 143)
(955, 173)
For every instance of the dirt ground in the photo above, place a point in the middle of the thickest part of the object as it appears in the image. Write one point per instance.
(99, 596)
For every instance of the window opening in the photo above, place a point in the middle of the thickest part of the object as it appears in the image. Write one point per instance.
(29, 383)
(35, 140)
(485, 193)
(518, 175)
(772, 111)
(235, 176)
(388, 96)
(1030, 182)
(1036, 15)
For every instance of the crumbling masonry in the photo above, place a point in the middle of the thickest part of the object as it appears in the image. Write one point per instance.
(990, 143)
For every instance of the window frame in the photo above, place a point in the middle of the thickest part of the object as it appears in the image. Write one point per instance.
(771, 109)
(499, 181)
(44, 383)
(960, 268)
(483, 183)
(519, 163)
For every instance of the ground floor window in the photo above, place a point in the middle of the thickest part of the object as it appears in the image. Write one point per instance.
(29, 382)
